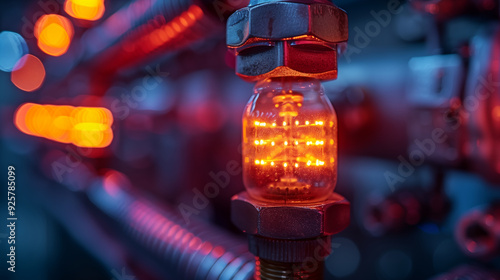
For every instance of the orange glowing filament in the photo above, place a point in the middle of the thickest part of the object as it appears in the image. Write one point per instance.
(81, 126)
(85, 9)
(54, 34)
(289, 142)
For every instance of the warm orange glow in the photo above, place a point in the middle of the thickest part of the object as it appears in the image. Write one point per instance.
(289, 142)
(29, 73)
(20, 118)
(54, 34)
(496, 113)
(61, 123)
(81, 126)
(85, 9)
(91, 115)
(91, 135)
(39, 120)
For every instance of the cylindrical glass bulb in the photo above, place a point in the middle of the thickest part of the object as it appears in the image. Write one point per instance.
(289, 141)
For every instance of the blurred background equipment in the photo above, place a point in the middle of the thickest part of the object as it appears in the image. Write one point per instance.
(123, 120)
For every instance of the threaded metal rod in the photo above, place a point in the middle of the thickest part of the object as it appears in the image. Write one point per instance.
(310, 269)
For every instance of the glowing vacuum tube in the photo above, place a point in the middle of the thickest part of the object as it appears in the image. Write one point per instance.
(289, 141)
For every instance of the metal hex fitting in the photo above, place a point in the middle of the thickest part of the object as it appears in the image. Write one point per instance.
(290, 221)
(282, 20)
(305, 58)
(279, 38)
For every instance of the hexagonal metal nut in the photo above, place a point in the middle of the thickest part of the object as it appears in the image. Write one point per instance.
(304, 58)
(289, 221)
(281, 20)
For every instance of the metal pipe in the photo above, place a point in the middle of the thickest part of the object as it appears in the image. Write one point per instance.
(145, 29)
(193, 250)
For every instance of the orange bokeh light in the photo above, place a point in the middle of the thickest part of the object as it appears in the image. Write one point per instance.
(81, 126)
(29, 73)
(85, 9)
(91, 135)
(19, 118)
(54, 34)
